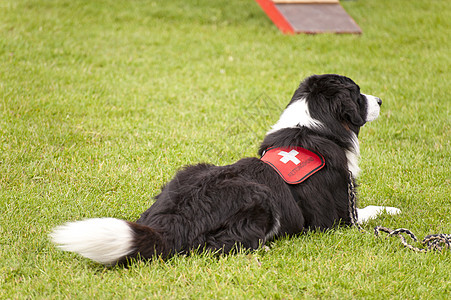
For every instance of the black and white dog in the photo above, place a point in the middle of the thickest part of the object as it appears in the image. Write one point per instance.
(299, 184)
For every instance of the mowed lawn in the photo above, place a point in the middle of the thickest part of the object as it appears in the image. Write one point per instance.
(101, 101)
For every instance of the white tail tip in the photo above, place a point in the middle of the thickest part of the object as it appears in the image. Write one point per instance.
(104, 240)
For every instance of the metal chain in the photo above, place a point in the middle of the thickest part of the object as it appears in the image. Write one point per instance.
(353, 203)
(436, 242)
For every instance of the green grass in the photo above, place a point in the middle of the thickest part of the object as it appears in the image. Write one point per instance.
(102, 101)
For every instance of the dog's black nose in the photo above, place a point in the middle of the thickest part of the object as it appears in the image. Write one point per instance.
(379, 101)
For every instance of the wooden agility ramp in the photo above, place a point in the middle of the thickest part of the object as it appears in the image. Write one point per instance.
(309, 16)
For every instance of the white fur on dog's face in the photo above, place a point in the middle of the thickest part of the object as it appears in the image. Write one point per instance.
(373, 107)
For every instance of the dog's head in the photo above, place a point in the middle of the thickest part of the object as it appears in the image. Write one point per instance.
(333, 100)
(331, 106)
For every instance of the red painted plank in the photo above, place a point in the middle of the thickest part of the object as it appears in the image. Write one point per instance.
(309, 17)
(276, 17)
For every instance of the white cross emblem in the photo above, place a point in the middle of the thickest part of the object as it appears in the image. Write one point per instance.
(289, 156)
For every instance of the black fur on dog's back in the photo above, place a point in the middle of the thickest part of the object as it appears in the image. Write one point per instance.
(247, 203)
(216, 207)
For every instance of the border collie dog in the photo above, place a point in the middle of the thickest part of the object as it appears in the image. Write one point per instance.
(250, 202)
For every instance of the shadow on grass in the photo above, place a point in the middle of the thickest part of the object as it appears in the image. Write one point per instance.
(246, 131)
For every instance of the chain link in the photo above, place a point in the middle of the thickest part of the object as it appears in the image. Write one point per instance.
(353, 203)
(436, 242)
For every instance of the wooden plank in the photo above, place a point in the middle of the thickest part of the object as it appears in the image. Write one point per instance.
(276, 17)
(310, 18)
(305, 1)
(318, 18)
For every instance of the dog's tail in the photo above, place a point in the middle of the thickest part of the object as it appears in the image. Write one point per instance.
(109, 241)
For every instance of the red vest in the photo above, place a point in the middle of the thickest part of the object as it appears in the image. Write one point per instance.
(294, 164)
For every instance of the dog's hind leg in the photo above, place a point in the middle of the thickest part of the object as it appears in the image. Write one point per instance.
(247, 229)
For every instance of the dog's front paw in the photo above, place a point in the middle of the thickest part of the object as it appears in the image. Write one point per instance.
(372, 211)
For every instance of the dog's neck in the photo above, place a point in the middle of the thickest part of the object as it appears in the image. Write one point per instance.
(353, 155)
(296, 115)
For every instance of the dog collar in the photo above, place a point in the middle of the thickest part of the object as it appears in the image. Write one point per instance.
(293, 164)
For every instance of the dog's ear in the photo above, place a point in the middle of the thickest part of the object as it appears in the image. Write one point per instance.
(351, 111)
